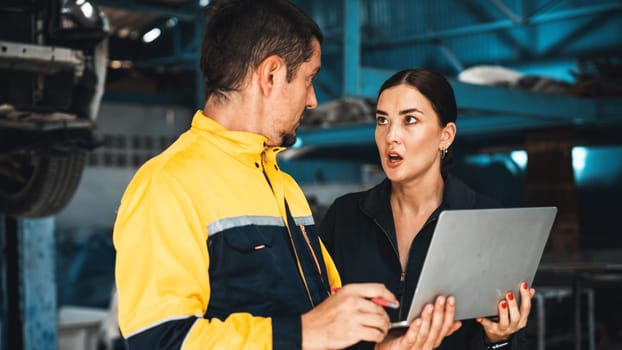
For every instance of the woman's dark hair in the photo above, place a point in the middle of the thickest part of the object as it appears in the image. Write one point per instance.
(433, 86)
(240, 34)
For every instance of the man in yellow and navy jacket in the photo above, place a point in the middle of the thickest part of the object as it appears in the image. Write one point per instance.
(216, 246)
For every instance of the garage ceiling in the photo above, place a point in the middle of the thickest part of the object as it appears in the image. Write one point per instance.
(557, 39)
(540, 37)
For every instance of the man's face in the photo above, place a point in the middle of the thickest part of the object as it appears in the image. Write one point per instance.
(293, 98)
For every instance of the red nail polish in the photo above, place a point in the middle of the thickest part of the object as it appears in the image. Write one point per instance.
(504, 305)
(525, 286)
(510, 296)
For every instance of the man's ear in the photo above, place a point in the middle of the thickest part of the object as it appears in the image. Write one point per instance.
(269, 72)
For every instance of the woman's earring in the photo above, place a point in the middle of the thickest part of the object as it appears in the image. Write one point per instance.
(443, 153)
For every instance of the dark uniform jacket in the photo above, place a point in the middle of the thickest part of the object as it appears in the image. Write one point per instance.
(359, 233)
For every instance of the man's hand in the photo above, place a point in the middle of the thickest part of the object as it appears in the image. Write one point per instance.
(511, 319)
(428, 331)
(347, 317)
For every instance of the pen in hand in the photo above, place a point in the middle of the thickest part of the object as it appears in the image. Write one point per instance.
(377, 300)
(385, 303)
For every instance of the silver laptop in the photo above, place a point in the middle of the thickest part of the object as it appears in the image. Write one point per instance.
(477, 255)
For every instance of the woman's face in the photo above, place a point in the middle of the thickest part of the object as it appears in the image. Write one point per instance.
(408, 135)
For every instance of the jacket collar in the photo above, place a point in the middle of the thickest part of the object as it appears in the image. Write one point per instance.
(375, 203)
(247, 146)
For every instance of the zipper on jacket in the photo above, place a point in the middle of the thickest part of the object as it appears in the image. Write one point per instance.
(403, 273)
(389, 238)
(263, 169)
(403, 287)
(397, 254)
(430, 220)
(289, 233)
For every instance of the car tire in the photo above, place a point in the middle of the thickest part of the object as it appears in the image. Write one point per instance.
(41, 184)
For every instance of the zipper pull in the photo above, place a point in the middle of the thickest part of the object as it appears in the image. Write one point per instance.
(403, 276)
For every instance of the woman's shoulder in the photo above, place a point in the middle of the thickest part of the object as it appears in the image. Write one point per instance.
(462, 196)
(373, 193)
(350, 198)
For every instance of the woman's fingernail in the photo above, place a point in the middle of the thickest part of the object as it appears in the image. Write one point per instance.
(334, 289)
(525, 286)
(510, 296)
(504, 305)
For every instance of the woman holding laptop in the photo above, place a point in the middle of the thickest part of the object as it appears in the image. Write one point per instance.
(382, 235)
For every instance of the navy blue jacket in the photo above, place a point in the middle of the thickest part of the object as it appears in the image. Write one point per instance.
(359, 232)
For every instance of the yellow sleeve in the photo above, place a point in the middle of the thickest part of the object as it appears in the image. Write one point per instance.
(162, 264)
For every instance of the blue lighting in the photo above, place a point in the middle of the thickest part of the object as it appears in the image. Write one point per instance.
(520, 158)
(579, 154)
(171, 22)
(298, 143)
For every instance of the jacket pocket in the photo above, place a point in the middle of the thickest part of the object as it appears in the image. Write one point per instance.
(242, 265)
(249, 240)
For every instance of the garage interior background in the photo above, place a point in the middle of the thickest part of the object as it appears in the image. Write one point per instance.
(539, 89)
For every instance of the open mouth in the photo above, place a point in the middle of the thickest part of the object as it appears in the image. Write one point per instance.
(394, 157)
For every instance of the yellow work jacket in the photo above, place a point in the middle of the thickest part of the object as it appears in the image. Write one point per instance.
(216, 247)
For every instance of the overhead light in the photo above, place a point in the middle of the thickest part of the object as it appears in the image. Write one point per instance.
(87, 9)
(203, 3)
(83, 13)
(520, 158)
(578, 158)
(171, 22)
(116, 64)
(151, 35)
(123, 33)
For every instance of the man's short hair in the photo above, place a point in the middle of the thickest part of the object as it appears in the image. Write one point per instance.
(240, 34)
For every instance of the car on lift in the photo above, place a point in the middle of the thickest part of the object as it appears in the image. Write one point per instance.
(53, 59)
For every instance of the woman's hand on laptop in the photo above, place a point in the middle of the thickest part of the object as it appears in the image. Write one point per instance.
(428, 330)
(511, 317)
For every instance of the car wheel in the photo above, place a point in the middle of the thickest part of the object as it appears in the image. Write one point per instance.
(36, 184)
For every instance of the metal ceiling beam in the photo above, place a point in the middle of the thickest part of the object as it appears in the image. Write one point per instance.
(451, 57)
(352, 48)
(514, 102)
(482, 109)
(572, 36)
(363, 134)
(182, 13)
(161, 98)
(500, 5)
(468, 125)
(592, 10)
(514, 39)
(186, 59)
